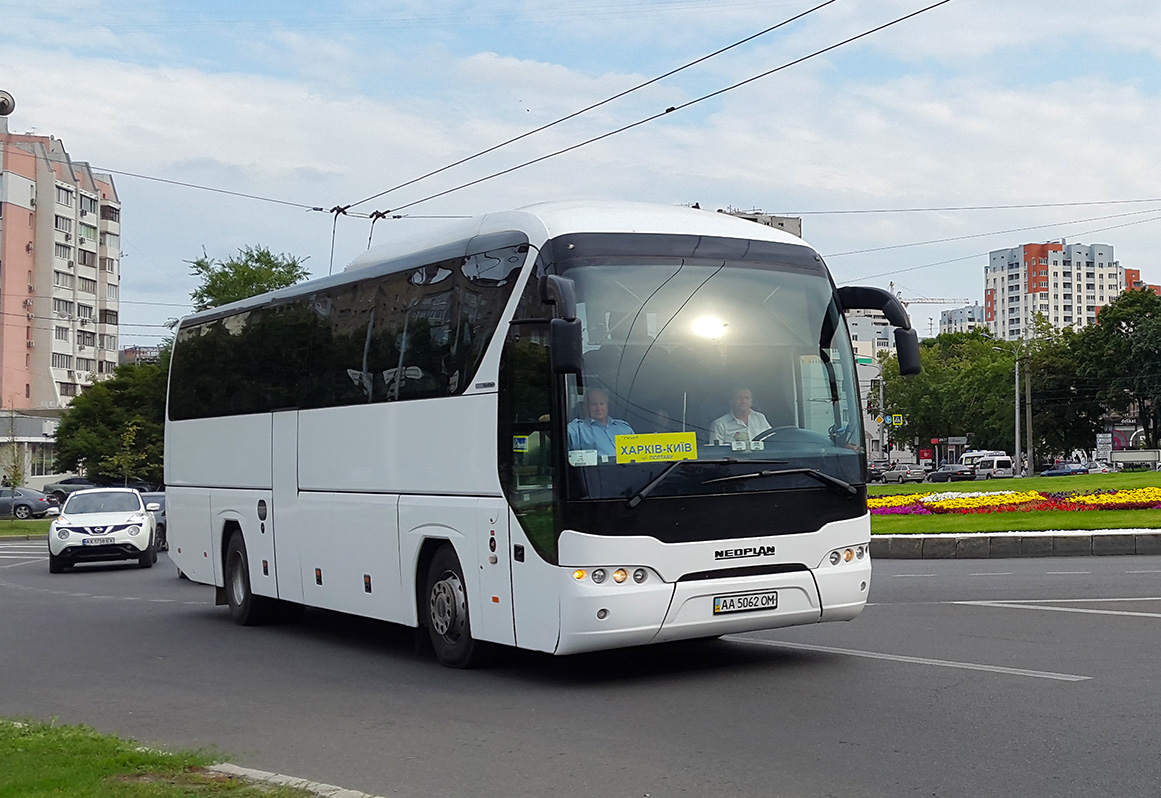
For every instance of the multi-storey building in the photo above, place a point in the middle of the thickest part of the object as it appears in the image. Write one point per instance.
(1133, 280)
(963, 319)
(60, 260)
(1066, 284)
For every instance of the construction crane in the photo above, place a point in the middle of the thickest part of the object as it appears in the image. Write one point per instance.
(927, 300)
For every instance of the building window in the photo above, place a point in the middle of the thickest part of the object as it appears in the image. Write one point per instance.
(86, 258)
(41, 459)
(111, 291)
(108, 317)
(108, 341)
(61, 360)
(86, 338)
(111, 240)
(61, 334)
(67, 388)
(86, 364)
(88, 204)
(63, 224)
(64, 196)
(110, 214)
(87, 285)
(63, 307)
(84, 311)
(63, 251)
(63, 280)
(108, 265)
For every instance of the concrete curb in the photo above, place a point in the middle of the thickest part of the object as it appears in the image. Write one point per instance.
(278, 780)
(996, 545)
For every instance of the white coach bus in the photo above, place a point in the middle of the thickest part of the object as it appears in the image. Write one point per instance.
(512, 433)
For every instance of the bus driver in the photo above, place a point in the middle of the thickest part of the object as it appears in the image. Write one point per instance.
(742, 423)
(598, 431)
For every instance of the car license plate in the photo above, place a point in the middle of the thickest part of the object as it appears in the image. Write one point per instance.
(746, 602)
(98, 541)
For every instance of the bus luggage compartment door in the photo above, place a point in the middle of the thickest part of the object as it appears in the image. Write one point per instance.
(707, 607)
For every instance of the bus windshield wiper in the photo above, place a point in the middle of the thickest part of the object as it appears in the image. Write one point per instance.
(657, 480)
(841, 487)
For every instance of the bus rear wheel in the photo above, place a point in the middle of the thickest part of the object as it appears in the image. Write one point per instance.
(448, 622)
(245, 608)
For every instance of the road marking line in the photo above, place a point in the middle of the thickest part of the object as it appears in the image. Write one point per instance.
(1079, 610)
(940, 663)
(1143, 572)
(910, 576)
(994, 573)
(1059, 601)
(1067, 573)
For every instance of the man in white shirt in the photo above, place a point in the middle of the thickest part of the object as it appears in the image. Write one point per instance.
(742, 423)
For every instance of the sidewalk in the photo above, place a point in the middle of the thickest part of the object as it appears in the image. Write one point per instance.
(994, 545)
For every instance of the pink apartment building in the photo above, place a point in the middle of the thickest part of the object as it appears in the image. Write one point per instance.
(60, 265)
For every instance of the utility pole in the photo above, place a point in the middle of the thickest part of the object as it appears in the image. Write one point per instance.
(1028, 418)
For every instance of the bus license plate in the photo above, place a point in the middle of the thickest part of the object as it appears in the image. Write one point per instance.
(97, 541)
(746, 602)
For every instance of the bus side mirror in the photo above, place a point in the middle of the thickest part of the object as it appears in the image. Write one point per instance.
(564, 346)
(560, 292)
(907, 350)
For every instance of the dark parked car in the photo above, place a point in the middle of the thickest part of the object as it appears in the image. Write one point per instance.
(875, 469)
(1065, 470)
(158, 498)
(952, 472)
(25, 503)
(72, 484)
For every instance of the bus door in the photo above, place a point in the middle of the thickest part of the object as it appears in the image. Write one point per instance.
(492, 617)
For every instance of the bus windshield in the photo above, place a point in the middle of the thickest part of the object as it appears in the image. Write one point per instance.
(737, 360)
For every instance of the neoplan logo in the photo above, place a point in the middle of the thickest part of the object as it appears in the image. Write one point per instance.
(750, 551)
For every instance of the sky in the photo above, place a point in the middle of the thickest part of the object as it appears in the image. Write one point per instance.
(897, 148)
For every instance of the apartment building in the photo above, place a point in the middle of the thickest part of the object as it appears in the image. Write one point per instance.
(963, 319)
(1065, 283)
(60, 265)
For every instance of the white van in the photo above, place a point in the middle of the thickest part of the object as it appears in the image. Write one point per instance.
(994, 465)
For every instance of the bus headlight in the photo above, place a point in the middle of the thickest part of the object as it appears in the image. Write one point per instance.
(848, 554)
(620, 575)
(599, 575)
(639, 575)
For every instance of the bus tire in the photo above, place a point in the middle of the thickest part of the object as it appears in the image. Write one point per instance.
(245, 608)
(446, 612)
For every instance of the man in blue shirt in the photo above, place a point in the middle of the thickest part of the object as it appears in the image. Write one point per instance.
(598, 431)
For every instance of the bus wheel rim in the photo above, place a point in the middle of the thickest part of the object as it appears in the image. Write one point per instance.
(447, 607)
(237, 580)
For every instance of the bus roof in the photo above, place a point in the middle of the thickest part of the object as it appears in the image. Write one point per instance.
(540, 221)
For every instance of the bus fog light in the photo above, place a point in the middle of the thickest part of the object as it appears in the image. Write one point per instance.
(599, 575)
(639, 575)
(848, 555)
(835, 558)
(620, 575)
(859, 552)
(579, 573)
(602, 614)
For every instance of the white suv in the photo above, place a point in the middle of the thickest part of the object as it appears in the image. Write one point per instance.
(100, 525)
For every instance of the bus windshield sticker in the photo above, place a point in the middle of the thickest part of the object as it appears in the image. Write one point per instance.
(520, 443)
(656, 447)
(582, 457)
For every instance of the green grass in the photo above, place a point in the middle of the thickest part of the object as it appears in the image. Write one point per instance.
(1018, 521)
(10, 527)
(45, 759)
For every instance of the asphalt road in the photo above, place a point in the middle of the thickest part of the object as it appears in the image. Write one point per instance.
(974, 678)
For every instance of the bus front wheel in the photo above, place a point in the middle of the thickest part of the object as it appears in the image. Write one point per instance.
(245, 608)
(448, 623)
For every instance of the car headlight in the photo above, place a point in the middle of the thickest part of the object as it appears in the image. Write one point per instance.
(133, 530)
(62, 534)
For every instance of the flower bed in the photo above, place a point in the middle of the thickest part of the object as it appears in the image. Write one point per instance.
(1005, 501)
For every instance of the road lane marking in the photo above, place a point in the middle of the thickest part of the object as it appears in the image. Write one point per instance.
(1044, 607)
(910, 576)
(994, 573)
(1143, 572)
(1066, 573)
(939, 663)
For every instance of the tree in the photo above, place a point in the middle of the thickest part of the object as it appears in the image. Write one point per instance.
(254, 270)
(1120, 356)
(91, 434)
